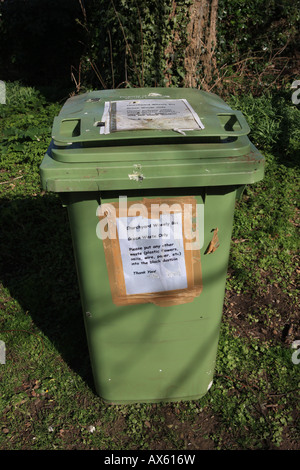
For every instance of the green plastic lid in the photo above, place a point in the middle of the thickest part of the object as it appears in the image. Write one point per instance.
(169, 131)
(151, 113)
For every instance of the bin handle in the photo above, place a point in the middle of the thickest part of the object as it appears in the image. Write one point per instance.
(66, 129)
(233, 123)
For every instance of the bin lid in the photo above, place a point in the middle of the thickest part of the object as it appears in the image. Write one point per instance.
(169, 130)
(151, 114)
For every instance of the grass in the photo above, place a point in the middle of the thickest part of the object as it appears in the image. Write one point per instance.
(46, 392)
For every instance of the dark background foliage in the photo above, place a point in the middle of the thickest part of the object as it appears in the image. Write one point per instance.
(111, 43)
(40, 40)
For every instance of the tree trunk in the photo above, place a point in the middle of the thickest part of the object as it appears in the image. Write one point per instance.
(200, 60)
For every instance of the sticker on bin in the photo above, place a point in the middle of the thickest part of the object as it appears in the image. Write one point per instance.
(149, 251)
(132, 115)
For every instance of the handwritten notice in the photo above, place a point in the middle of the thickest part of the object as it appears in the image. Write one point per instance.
(152, 253)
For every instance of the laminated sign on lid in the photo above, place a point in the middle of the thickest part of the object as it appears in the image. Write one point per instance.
(174, 114)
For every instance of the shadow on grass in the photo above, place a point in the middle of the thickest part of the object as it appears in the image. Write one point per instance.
(37, 266)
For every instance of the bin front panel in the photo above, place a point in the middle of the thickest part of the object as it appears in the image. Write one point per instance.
(145, 352)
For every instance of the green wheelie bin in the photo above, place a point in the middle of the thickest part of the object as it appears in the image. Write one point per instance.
(150, 177)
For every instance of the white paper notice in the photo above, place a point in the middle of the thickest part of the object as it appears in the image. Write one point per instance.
(174, 114)
(152, 253)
